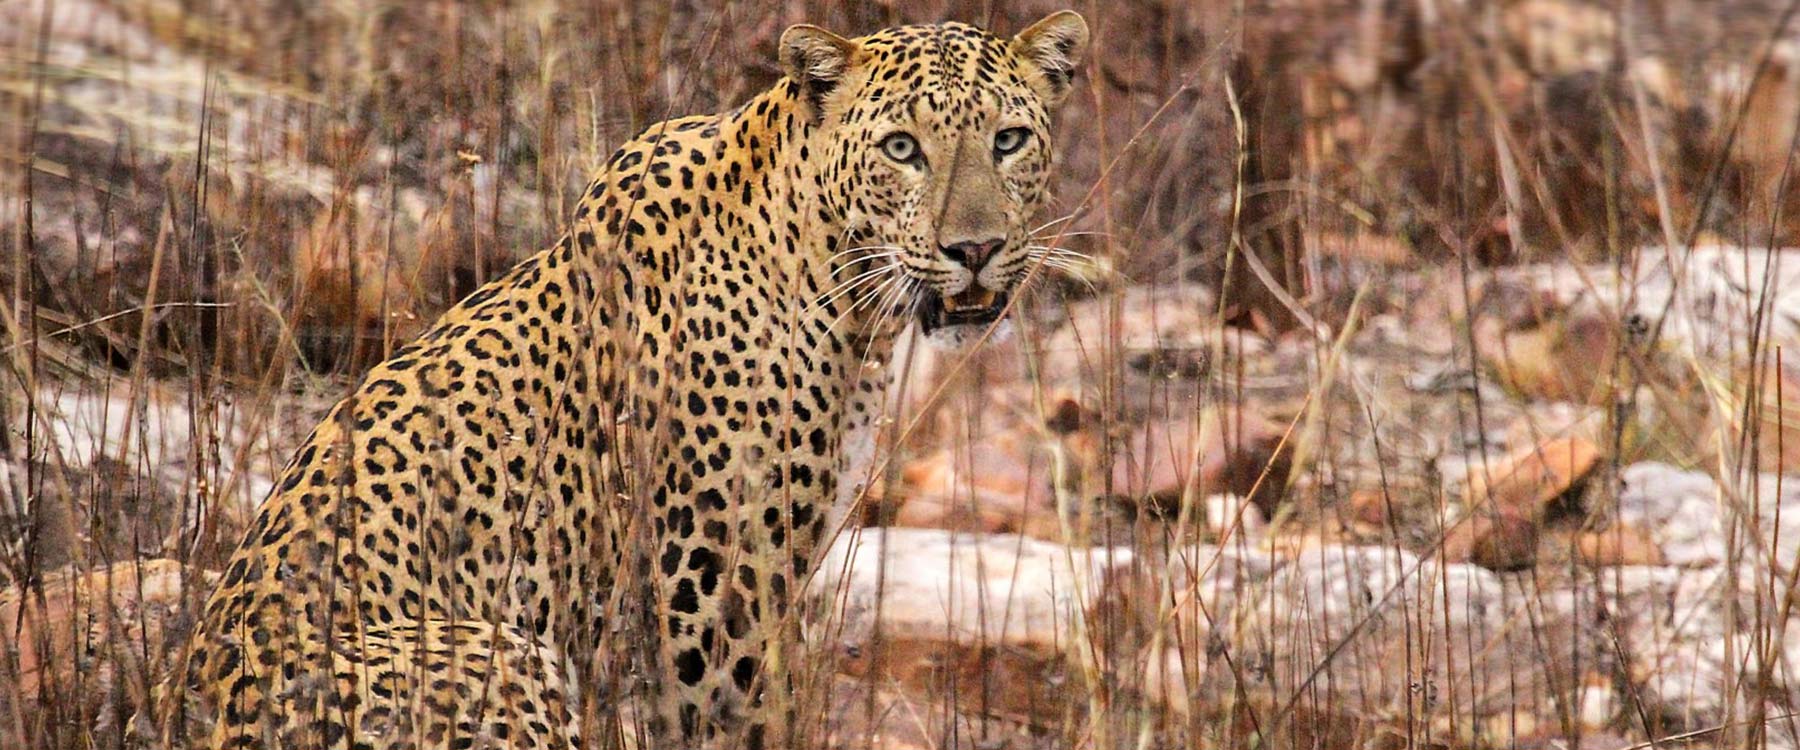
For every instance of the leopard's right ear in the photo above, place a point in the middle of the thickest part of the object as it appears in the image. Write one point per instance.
(815, 61)
(1054, 46)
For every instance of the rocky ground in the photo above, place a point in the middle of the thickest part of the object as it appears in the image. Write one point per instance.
(1455, 541)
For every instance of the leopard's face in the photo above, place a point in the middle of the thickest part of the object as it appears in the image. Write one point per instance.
(950, 190)
(939, 150)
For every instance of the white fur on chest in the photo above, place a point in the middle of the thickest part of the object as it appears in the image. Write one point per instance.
(859, 468)
(864, 423)
(870, 419)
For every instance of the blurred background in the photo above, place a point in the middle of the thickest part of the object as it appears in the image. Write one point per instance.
(1423, 384)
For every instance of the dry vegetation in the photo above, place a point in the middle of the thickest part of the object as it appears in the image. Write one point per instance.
(1479, 305)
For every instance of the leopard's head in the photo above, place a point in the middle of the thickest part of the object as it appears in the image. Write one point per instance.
(936, 150)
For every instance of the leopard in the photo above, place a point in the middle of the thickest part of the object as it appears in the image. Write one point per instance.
(646, 428)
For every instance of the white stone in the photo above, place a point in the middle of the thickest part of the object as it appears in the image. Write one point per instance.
(937, 585)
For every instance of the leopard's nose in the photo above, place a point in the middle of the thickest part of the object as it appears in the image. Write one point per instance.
(973, 255)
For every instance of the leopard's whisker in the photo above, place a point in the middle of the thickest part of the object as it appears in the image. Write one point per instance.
(877, 291)
(878, 256)
(848, 250)
(901, 293)
(852, 283)
(879, 312)
(1064, 260)
(879, 297)
(842, 253)
(1066, 255)
(1071, 274)
(1059, 235)
(847, 287)
(1052, 222)
(866, 285)
(1049, 253)
(1059, 250)
(1072, 262)
(1066, 266)
(891, 301)
(1068, 271)
(888, 306)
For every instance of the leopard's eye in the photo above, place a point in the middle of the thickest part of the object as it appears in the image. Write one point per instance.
(1010, 140)
(900, 147)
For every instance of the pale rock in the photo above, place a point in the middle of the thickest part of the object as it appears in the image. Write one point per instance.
(135, 461)
(1197, 591)
(1685, 660)
(1695, 521)
(1379, 632)
(1596, 703)
(1709, 300)
(976, 589)
(996, 621)
(1678, 509)
(998, 618)
(1666, 631)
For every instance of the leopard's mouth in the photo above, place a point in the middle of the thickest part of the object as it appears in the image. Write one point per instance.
(975, 306)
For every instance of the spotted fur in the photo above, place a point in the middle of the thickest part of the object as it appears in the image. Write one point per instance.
(692, 371)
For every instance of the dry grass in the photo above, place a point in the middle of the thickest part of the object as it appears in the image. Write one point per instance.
(215, 215)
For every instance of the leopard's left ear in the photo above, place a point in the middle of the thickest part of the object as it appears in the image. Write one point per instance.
(1054, 46)
(816, 60)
